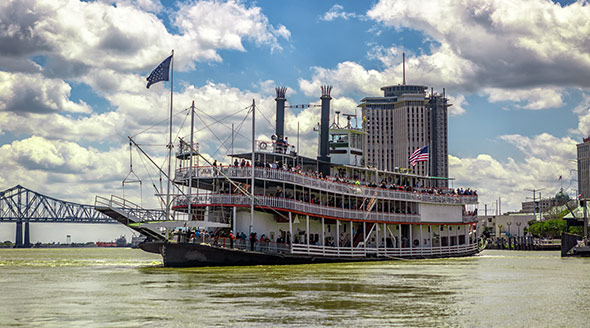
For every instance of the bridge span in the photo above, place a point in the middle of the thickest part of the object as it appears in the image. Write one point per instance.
(22, 206)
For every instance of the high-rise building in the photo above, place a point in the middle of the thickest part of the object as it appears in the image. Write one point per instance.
(439, 136)
(403, 120)
(584, 168)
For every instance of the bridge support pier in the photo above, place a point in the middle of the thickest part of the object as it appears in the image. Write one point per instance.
(18, 243)
(27, 234)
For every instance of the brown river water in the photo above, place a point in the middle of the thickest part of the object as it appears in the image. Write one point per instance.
(118, 287)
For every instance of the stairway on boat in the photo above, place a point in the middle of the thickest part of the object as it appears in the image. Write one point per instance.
(131, 215)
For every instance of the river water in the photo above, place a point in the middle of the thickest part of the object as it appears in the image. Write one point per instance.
(90, 287)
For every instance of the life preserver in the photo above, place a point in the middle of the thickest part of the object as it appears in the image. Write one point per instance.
(262, 145)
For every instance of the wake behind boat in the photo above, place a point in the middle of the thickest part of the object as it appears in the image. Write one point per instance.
(274, 206)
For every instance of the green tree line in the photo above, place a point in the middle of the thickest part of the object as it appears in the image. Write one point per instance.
(551, 228)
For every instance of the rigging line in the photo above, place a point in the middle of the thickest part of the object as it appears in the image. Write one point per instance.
(220, 121)
(238, 186)
(222, 144)
(166, 159)
(158, 123)
(209, 128)
(229, 136)
(269, 122)
(223, 118)
(226, 139)
(150, 177)
(159, 169)
(182, 125)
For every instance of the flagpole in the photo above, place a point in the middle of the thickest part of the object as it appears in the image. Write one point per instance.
(253, 166)
(170, 139)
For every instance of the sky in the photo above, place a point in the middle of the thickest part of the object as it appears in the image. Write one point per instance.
(73, 76)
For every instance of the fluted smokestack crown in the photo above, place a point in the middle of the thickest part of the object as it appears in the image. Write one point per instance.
(280, 120)
(325, 129)
(281, 92)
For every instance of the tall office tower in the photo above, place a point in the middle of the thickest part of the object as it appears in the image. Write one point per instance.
(401, 121)
(584, 168)
(439, 136)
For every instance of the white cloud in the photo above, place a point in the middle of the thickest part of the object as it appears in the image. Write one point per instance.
(48, 165)
(535, 98)
(583, 112)
(32, 93)
(458, 103)
(222, 25)
(546, 158)
(511, 44)
(103, 44)
(518, 52)
(337, 11)
(76, 36)
(106, 127)
(543, 146)
(347, 78)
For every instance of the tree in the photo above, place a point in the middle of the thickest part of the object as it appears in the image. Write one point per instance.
(576, 230)
(548, 228)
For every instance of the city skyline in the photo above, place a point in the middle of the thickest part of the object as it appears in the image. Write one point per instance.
(73, 82)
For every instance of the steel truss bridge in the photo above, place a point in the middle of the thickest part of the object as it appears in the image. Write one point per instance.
(21, 205)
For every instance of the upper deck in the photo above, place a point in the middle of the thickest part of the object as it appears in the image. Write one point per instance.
(204, 176)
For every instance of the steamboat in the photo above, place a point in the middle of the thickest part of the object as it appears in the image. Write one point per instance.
(275, 206)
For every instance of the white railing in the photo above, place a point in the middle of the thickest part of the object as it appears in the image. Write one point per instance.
(469, 218)
(299, 206)
(303, 249)
(130, 208)
(326, 185)
(330, 251)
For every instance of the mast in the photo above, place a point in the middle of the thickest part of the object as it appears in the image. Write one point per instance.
(404, 69)
(170, 139)
(253, 153)
(190, 170)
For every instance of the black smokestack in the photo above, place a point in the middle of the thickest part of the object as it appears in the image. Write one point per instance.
(280, 123)
(325, 131)
(280, 146)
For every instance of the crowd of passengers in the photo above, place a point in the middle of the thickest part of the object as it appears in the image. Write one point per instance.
(341, 177)
(226, 238)
(223, 237)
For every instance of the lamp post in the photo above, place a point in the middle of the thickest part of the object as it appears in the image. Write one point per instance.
(518, 225)
(509, 224)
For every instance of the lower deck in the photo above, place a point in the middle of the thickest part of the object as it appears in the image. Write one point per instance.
(385, 252)
(294, 234)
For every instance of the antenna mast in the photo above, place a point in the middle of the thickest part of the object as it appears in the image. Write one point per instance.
(404, 68)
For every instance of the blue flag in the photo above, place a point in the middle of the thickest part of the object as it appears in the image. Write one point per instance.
(161, 73)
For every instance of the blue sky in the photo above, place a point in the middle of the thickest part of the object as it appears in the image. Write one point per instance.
(72, 81)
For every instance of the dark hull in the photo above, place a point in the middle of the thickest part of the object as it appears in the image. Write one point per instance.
(198, 255)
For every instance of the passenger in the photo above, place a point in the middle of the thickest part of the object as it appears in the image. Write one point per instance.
(252, 240)
(231, 239)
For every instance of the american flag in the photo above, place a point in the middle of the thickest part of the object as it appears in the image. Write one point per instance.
(161, 73)
(419, 155)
